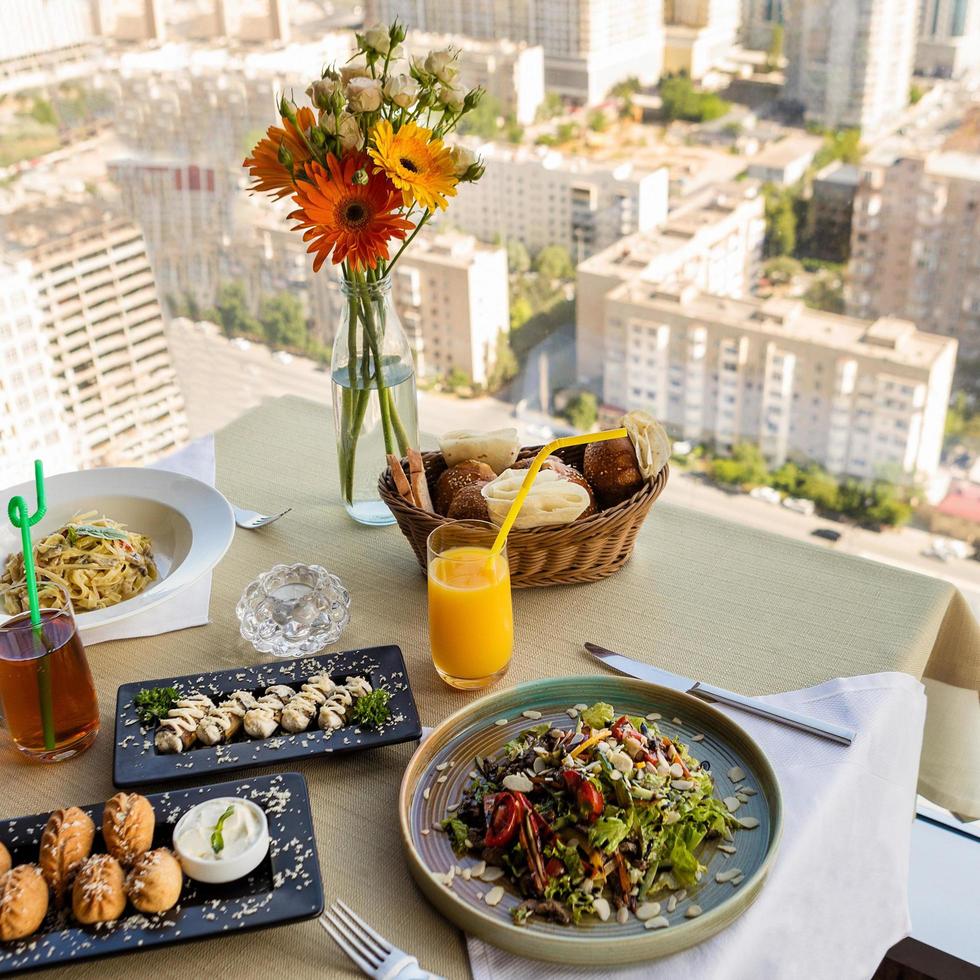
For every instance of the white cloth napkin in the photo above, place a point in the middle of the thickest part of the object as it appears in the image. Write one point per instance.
(836, 899)
(190, 608)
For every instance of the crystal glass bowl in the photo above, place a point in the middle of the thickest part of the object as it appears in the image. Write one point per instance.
(293, 610)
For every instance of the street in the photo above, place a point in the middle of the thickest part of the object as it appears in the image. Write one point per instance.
(221, 381)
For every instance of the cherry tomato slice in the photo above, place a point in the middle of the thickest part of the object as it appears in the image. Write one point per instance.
(504, 817)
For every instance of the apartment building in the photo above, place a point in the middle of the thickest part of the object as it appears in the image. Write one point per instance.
(101, 321)
(714, 242)
(450, 292)
(699, 34)
(185, 212)
(32, 424)
(785, 161)
(862, 398)
(850, 61)
(759, 17)
(511, 72)
(915, 244)
(589, 45)
(541, 197)
(949, 37)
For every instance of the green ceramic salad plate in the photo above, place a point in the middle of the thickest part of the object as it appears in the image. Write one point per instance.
(590, 820)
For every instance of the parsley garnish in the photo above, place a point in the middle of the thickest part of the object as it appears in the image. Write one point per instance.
(372, 709)
(217, 841)
(153, 703)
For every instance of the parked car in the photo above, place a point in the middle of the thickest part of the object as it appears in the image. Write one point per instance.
(806, 507)
(769, 494)
(681, 448)
(946, 548)
(827, 533)
(283, 357)
(242, 344)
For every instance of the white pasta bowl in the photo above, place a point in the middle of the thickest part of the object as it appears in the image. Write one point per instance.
(190, 526)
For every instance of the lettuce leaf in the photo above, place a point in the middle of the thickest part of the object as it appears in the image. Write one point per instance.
(607, 833)
(598, 716)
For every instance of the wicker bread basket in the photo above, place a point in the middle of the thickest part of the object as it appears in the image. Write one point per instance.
(583, 551)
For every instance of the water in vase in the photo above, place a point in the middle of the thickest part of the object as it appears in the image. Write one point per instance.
(361, 446)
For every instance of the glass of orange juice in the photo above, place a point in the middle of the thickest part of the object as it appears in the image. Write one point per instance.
(471, 620)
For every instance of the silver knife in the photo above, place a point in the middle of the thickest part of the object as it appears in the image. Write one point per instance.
(707, 692)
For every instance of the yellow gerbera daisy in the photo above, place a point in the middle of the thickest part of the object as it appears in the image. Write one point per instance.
(420, 166)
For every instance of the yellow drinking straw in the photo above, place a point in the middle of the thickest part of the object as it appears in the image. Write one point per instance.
(533, 471)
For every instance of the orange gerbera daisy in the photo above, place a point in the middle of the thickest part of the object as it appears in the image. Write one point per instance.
(348, 221)
(269, 176)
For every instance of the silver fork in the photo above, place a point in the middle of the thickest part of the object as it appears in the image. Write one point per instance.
(372, 953)
(252, 520)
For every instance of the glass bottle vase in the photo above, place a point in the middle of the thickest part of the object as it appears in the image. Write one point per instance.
(375, 405)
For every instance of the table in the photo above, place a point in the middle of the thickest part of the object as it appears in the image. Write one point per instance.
(744, 609)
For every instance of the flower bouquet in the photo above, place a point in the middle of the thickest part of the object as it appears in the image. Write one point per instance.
(367, 165)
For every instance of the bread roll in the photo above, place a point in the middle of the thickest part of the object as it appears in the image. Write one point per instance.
(66, 842)
(650, 442)
(566, 472)
(498, 449)
(23, 902)
(613, 471)
(468, 504)
(5, 861)
(155, 882)
(99, 893)
(551, 499)
(460, 475)
(127, 826)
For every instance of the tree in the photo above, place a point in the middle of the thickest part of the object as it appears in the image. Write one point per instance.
(682, 101)
(842, 144)
(582, 411)
(775, 53)
(820, 487)
(457, 378)
(505, 366)
(553, 262)
(782, 270)
(520, 312)
(787, 478)
(43, 112)
(282, 320)
(483, 120)
(780, 222)
(518, 259)
(915, 93)
(826, 293)
(233, 313)
(624, 91)
(565, 132)
(597, 121)
(746, 465)
(550, 107)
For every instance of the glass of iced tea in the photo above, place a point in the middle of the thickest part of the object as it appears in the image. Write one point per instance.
(46, 687)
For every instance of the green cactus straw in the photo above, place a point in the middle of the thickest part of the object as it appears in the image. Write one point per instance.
(17, 511)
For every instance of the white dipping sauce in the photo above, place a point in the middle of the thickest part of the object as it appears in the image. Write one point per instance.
(240, 830)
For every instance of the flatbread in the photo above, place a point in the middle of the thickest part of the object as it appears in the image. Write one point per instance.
(650, 442)
(551, 499)
(498, 449)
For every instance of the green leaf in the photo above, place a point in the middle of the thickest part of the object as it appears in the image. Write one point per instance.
(217, 840)
(153, 703)
(458, 832)
(607, 833)
(91, 531)
(372, 709)
(599, 715)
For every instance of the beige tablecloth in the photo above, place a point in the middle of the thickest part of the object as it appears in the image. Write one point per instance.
(754, 612)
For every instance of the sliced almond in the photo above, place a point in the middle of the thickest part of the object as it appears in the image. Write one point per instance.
(657, 922)
(494, 896)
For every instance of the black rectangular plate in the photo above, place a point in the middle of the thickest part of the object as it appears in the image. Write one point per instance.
(136, 761)
(286, 886)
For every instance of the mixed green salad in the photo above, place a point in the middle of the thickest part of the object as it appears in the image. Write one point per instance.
(610, 814)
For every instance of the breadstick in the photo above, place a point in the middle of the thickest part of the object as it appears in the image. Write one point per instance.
(179, 729)
(420, 485)
(401, 481)
(262, 720)
(221, 723)
(302, 706)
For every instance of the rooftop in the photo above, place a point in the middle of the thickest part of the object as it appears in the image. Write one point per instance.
(889, 339)
(424, 40)
(448, 248)
(954, 163)
(845, 174)
(36, 226)
(551, 159)
(963, 501)
(787, 151)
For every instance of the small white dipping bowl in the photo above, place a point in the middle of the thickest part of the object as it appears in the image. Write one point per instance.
(218, 870)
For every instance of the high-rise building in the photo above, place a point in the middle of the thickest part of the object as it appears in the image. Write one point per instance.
(915, 244)
(949, 37)
(714, 243)
(589, 45)
(32, 423)
(759, 18)
(101, 320)
(540, 197)
(450, 292)
(850, 61)
(862, 398)
(511, 72)
(699, 34)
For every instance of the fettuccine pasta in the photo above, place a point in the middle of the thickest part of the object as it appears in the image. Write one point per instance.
(95, 559)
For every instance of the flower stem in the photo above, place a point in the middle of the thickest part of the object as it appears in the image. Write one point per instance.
(408, 241)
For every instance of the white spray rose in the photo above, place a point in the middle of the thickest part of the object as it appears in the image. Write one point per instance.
(452, 96)
(463, 158)
(345, 127)
(322, 91)
(354, 70)
(443, 65)
(364, 94)
(403, 90)
(378, 38)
